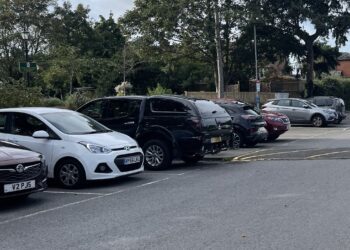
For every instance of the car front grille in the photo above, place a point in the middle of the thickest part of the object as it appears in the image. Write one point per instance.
(10, 174)
(119, 162)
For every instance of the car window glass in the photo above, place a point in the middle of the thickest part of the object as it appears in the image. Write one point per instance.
(250, 111)
(93, 109)
(2, 122)
(329, 102)
(162, 105)
(297, 104)
(26, 125)
(209, 108)
(283, 103)
(123, 108)
(75, 123)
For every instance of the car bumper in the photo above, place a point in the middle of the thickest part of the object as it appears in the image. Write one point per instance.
(114, 163)
(40, 185)
(258, 136)
(277, 129)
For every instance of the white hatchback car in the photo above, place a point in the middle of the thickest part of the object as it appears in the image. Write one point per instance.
(76, 147)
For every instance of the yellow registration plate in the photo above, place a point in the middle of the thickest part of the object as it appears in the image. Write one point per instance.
(215, 139)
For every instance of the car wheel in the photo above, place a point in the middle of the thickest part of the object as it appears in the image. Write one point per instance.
(70, 174)
(237, 141)
(318, 121)
(192, 159)
(157, 155)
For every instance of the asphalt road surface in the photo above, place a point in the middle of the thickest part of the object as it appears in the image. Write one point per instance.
(291, 194)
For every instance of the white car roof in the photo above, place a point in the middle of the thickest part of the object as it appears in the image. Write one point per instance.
(36, 110)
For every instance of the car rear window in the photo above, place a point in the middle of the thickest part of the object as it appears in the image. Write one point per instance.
(209, 108)
(249, 110)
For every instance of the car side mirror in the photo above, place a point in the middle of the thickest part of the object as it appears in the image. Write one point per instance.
(41, 134)
(306, 106)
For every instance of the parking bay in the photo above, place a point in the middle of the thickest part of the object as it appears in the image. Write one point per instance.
(50, 208)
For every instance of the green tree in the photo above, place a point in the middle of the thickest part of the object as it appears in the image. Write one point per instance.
(291, 16)
(185, 28)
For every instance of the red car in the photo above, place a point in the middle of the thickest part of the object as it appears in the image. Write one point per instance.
(276, 124)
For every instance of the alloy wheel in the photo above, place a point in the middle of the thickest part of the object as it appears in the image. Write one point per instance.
(154, 155)
(236, 140)
(69, 174)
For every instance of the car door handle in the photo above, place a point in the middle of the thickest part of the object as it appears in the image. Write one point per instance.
(129, 123)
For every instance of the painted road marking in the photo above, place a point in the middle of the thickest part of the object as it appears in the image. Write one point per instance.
(326, 154)
(72, 193)
(78, 202)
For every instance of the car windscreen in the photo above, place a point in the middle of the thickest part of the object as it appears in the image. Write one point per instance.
(74, 123)
(209, 108)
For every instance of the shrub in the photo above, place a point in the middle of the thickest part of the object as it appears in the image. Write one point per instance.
(52, 102)
(76, 100)
(159, 90)
(19, 95)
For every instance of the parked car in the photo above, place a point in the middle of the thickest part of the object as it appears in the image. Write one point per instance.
(301, 111)
(249, 126)
(166, 127)
(331, 102)
(76, 147)
(276, 124)
(22, 172)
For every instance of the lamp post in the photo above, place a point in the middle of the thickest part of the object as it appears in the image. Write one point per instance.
(25, 37)
(257, 82)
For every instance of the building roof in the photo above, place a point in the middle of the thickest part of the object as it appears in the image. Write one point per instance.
(345, 56)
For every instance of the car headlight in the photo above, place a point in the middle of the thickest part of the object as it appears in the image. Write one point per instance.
(96, 149)
(275, 119)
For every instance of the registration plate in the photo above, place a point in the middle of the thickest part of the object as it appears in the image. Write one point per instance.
(19, 186)
(215, 139)
(132, 160)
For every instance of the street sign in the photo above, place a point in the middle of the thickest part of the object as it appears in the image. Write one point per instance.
(28, 66)
(257, 86)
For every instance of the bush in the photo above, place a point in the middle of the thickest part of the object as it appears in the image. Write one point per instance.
(334, 86)
(19, 95)
(159, 90)
(52, 102)
(76, 100)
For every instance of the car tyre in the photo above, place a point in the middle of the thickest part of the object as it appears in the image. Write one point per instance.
(70, 174)
(318, 121)
(237, 139)
(192, 159)
(157, 155)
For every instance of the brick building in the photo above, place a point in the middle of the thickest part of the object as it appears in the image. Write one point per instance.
(344, 65)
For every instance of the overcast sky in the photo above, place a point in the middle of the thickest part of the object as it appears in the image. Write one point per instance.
(119, 7)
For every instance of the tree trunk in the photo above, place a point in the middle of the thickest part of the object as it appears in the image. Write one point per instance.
(310, 68)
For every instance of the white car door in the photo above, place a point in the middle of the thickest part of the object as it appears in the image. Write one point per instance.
(22, 127)
(3, 126)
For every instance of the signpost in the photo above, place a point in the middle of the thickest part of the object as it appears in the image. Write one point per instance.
(27, 66)
(257, 97)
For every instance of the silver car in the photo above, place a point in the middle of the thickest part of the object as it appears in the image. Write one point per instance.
(301, 111)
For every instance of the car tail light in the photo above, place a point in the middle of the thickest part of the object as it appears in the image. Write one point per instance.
(196, 122)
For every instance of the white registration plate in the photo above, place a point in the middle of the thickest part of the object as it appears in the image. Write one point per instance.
(215, 139)
(19, 186)
(132, 160)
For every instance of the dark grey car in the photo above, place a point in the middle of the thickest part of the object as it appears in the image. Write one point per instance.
(331, 102)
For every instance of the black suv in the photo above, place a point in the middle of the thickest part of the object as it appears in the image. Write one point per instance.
(165, 126)
(248, 125)
(331, 102)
